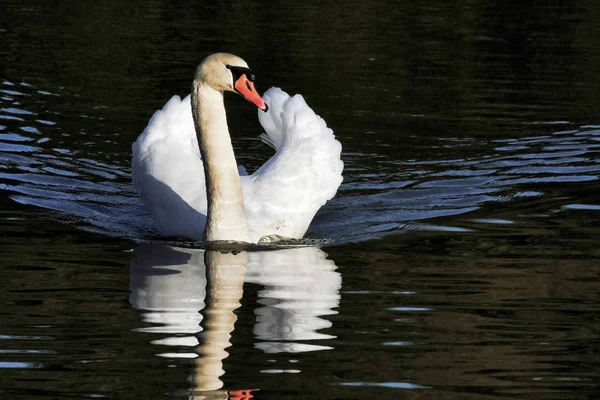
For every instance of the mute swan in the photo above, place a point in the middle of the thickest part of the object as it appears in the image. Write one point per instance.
(185, 172)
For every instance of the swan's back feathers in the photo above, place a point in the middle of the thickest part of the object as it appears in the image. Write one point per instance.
(306, 171)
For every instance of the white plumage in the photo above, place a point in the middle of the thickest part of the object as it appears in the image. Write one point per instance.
(280, 198)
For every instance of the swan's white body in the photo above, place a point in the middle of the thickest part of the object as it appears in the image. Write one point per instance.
(280, 198)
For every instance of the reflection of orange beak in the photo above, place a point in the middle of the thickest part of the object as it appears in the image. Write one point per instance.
(241, 394)
(245, 87)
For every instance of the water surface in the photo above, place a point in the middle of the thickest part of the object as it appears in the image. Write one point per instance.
(462, 260)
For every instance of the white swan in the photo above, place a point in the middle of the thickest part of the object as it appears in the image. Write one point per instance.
(185, 172)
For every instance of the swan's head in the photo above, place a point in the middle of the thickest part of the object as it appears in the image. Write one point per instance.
(226, 72)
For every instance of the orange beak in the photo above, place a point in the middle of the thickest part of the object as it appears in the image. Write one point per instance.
(245, 87)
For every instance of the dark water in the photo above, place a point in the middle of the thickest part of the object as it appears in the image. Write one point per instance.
(465, 258)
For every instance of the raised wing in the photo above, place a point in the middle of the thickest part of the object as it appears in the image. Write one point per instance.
(283, 196)
(167, 171)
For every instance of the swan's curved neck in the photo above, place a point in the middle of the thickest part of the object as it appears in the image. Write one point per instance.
(226, 217)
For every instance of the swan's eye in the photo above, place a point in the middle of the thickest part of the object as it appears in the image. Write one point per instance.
(237, 72)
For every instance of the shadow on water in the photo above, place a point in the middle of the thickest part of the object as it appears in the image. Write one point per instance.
(98, 196)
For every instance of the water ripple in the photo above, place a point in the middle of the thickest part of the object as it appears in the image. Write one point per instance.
(401, 195)
(391, 385)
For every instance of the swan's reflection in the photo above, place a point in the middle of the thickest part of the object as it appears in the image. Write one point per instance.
(300, 286)
(170, 284)
(181, 288)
